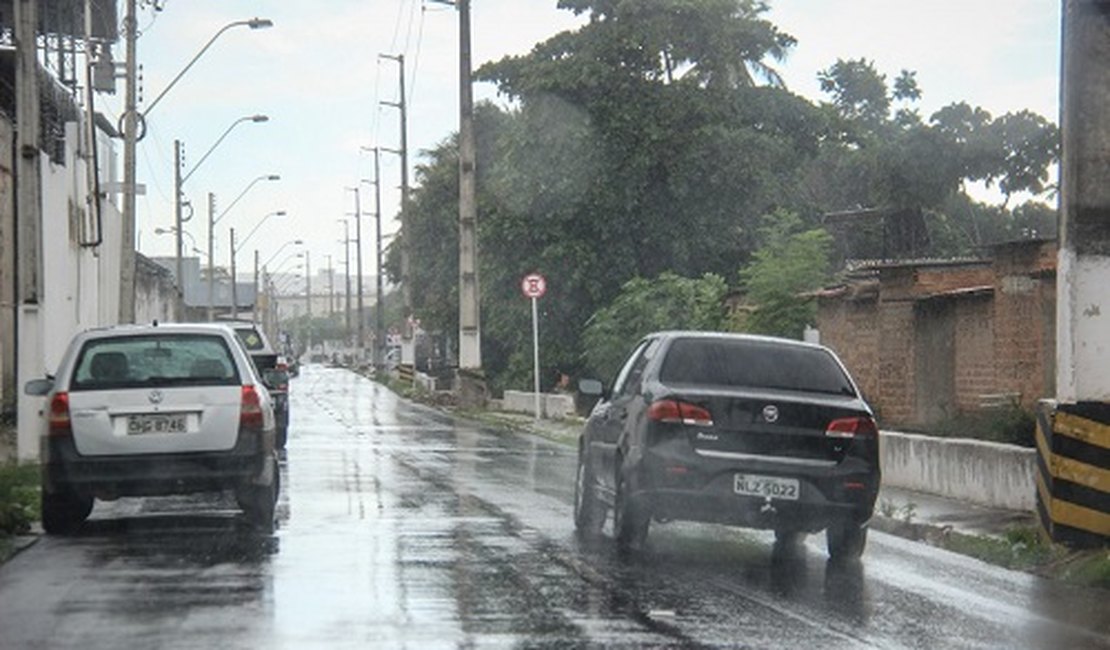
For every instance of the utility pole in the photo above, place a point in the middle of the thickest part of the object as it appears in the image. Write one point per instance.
(28, 220)
(358, 269)
(234, 284)
(308, 299)
(254, 311)
(130, 127)
(470, 351)
(347, 267)
(408, 353)
(211, 257)
(179, 232)
(379, 320)
(331, 288)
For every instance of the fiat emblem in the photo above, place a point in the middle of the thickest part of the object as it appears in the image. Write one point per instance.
(770, 413)
(155, 397)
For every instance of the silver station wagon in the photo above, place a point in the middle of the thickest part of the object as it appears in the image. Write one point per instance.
(155, 410)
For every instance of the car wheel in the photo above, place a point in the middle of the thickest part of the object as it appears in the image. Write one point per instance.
(589, 514)
(260, 501)
(64, 511)
(789, 538)
(630, 523)
(846, 541)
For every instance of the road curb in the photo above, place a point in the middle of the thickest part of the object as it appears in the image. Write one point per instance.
(20, 543)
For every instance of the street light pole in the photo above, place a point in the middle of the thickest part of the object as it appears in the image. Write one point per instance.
(212, 221)
(130, 123)
(347, 268)
(234, 285)
(178, 223)
(379, 316)
(408, 353)
(358, 267)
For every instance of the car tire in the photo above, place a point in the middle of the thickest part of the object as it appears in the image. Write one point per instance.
(259, 502)
(630, 523)
(64, 511)
(846, 541)
(786, 538)
(589, 513)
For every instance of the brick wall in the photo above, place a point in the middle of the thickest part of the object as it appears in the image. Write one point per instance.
(975, 367)
(1003, 337)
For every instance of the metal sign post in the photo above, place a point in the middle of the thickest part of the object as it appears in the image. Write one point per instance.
(534, 286)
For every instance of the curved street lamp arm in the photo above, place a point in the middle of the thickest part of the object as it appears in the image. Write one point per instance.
(255, 229)
(296, 242)
(248, 118)
(254, 23)
(264, 177)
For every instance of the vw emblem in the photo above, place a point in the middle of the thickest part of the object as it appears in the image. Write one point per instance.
(155, 397)
(770, 413)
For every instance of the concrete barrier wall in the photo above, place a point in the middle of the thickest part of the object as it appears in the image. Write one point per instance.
(985, 473)
(552, 406)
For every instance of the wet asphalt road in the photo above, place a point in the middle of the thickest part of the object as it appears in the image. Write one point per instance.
(401, 528)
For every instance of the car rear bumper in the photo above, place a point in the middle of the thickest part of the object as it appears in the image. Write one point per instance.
(706, 492)
(108, 477)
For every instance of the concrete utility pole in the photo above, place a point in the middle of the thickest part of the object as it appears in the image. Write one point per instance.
(28, 220)
(234, 284)
(347, 268)
(358, 268)
(1073, 431)
(331, 288)
(379, 320)
(408, 352)
(254, 310)
(308, 299)
(179, 233)
(470, 350)
(130, 126)
(211, 257)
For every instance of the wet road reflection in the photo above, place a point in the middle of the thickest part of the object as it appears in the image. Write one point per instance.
(402, 527)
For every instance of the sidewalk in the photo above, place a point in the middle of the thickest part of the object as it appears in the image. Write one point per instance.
(906, 513)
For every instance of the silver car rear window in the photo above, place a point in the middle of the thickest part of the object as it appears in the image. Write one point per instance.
(154, 360)
(754, 364)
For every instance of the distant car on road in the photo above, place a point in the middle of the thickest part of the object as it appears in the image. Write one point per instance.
(272, 368)
(155, 410)
(734, 429)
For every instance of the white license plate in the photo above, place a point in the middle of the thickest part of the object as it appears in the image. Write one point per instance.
(156, 423)
(771, 487)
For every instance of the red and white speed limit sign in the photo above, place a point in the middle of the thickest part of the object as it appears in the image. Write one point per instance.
(533, 285)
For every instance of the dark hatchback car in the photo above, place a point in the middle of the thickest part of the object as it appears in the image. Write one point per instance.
(734, 429)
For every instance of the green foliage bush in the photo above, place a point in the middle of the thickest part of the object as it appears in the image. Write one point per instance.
(19, 498)
(1012, 425)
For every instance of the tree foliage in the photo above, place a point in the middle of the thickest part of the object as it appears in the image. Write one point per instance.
(791, 261)
(668, 302)
(651, 141)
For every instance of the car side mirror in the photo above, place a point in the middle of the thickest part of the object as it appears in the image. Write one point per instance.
(38, 387)
(591, 387)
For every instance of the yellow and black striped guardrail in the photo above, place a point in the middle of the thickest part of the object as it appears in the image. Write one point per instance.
(1073, 472)
(406, 373)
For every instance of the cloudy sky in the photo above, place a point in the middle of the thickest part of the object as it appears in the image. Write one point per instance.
(318, 76)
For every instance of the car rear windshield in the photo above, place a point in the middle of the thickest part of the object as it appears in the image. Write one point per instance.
(154, 360)
(250, 338)
(754, 364)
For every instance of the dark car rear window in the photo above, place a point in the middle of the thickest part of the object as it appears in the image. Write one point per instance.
(154, 360)
(250, 338)
(754, 364)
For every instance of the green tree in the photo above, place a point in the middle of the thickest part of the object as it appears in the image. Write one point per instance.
(791, 262)
(668, 302)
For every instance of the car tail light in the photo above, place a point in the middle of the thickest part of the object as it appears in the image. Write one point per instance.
(60, 424)
(675, 412)
(857, 427)
(250, 412)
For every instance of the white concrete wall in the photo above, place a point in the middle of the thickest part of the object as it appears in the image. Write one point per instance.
(552, 406)
(80, 283)
(985, 473)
